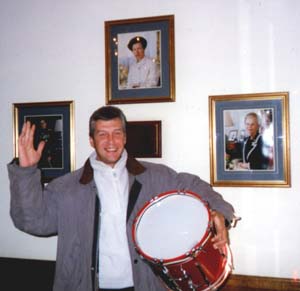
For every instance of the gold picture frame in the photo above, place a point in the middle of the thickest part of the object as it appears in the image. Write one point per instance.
(123, 83)
(54, 123)
(242, 160)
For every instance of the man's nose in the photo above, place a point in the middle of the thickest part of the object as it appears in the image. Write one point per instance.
(111, 138)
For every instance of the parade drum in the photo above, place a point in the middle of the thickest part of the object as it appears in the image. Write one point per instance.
(172, 233)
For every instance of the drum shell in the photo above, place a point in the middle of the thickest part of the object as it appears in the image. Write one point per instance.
(205, 268)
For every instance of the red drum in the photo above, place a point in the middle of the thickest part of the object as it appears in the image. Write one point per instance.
(172, 233)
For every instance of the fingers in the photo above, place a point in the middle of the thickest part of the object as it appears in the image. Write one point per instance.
(219, 241)
(23, 133)
(41, 147)
(221, 237)
(28, 156)
(27, 134)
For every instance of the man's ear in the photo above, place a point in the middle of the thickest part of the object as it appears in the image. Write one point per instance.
(92, 142)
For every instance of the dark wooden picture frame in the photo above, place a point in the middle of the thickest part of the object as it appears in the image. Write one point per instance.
(119, 60)
(144, 139)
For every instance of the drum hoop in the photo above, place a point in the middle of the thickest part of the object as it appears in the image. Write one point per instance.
(184, 256)
(227, 270)
(189, 255)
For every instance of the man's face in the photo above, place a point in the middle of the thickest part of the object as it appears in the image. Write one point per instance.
(138, 51)
(109, 140)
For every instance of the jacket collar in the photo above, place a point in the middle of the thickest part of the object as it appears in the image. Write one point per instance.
(133, 166)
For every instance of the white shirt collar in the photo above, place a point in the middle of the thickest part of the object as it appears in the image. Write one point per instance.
(101, 166)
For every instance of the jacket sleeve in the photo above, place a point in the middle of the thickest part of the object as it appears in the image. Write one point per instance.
(204, 190)
(32, 209)
(159, 178)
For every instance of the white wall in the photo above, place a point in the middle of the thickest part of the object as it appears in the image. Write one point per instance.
(54, 50)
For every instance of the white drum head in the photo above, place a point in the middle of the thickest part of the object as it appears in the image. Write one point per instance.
(171, 226)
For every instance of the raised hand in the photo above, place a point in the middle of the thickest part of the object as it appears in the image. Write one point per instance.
(28, 155)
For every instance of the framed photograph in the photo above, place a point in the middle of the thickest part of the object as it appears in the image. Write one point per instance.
(54, 123)
(139, 60)
(249, 140)
(144, 139)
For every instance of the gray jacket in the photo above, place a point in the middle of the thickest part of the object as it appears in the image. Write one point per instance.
(66, 207)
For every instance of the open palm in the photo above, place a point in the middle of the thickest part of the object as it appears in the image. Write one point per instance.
(28, 155)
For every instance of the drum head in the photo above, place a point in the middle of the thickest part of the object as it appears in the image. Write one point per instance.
(172, 225)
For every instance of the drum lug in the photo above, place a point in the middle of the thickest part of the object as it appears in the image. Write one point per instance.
(202, 273)
(169, 280)
(188, 278)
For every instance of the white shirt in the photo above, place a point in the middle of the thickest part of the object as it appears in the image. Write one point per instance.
(142, 74)
(115, 270)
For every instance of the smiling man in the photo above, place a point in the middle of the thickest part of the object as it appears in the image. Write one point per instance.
(92, 209)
